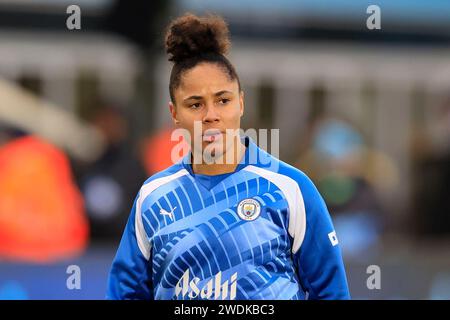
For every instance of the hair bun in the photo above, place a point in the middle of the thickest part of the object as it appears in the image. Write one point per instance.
(189, 36)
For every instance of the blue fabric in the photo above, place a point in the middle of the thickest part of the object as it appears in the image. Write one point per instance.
(227, 237)
(210, 181)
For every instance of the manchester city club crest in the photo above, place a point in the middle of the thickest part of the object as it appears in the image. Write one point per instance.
(249, 209)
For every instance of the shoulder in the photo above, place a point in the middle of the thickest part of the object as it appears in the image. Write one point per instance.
(295, 184)
(160, 179)
(305, 184)
(285, 174)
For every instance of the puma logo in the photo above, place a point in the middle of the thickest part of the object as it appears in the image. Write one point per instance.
(167, 213)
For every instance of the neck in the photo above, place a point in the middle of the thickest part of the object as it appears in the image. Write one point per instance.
(222, 166)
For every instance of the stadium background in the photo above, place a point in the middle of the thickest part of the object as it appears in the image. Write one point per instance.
(365, 113)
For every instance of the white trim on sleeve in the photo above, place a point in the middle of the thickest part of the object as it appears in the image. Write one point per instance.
(291, 190)
(141, 235)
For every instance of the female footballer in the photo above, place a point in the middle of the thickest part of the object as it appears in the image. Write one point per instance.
(228, 224)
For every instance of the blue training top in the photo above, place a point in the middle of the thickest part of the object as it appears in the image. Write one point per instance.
(260, 232)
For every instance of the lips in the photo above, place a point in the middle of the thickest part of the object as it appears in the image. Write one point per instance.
(211, 135)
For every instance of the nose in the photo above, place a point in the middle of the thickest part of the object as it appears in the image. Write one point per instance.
(211, 114)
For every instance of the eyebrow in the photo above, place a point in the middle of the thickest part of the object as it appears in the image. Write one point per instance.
(219, 93)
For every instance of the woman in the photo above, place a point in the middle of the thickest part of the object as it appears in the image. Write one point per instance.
(220, 223)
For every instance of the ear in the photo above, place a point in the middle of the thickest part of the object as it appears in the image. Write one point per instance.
(173, 113)
(241, 102)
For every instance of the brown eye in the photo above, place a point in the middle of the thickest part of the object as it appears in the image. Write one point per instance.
(195, 105)
(224, 101)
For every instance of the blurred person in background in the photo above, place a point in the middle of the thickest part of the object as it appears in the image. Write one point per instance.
(42, 217)
(164, 157)
(233, 230)
(339, 159)
(110, 183)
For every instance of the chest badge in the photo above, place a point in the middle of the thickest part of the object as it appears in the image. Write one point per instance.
(249, 209)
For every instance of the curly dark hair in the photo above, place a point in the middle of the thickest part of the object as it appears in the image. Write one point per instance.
(191, 40)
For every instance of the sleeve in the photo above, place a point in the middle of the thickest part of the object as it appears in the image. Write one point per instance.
(319, 261)
(130, 275)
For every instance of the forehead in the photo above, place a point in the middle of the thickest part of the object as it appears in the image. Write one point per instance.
(206, 78)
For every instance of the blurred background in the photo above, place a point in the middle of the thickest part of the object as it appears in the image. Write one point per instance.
(365, 113)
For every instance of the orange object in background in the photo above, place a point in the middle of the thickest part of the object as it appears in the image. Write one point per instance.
(158, 151)
(42, 216)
